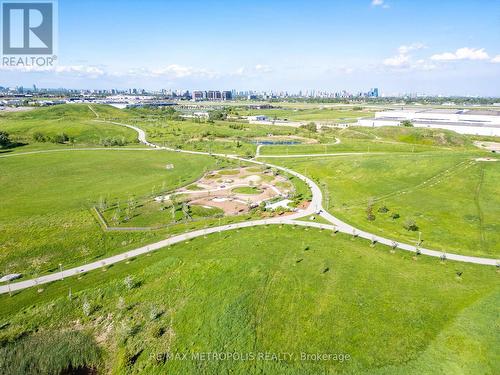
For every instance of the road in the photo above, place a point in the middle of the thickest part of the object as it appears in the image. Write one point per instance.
(314, 207)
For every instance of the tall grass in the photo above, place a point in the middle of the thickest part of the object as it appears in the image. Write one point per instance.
(50, 353)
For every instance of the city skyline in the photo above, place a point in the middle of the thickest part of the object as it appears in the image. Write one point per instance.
(399, 46)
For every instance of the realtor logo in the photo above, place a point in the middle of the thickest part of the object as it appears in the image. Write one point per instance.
(29, 31)
(28, 28)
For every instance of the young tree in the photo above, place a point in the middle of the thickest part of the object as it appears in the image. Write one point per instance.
(172, 211)
(103, 204)
(407, 123)
(410, 224)
(116, 217)
(86, 308)
(39, 137)
(311, 127)
(4, 139)
(60, 138)
(370, 216)
(173, 207)
(383, 209)
(217, 115)
(185, 211)
(129, 282)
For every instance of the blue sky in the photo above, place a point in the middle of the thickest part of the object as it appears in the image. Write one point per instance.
(436, 47)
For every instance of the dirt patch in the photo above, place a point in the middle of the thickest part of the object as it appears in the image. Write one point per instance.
(220, 193)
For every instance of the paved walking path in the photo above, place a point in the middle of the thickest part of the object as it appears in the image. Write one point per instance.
(257, 152)
(78, 149)
(314, 207)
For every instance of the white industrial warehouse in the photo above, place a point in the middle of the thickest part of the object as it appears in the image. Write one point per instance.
(463, 121)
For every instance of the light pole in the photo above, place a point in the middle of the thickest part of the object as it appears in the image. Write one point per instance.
(61, 269)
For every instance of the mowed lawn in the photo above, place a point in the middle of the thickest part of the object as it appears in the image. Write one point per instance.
(454, 200)
(45, 202)
(272, 290)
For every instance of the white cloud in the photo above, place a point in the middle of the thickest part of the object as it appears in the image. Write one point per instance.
(400, 60)
(262, 68)
(80, 70)
(423, 64)
(496, 59)
(75, 70)
(253, 71)
(462, 54)
(346, 69)
(405, 49)
(404, 61)
(172, 71)
(180, 71)
(379, 3)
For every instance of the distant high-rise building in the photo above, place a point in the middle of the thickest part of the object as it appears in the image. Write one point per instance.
(214, 95)
(198, 95)
(373, 93)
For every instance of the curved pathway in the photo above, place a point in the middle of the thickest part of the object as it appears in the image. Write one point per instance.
(314, 207)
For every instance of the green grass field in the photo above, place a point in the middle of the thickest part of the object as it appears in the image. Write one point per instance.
(45, 202)
(147, 213)
(246, 292)
(453, 199)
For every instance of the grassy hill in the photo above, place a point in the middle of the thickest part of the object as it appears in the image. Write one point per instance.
(261, 290)
(423, 136)
(48, 125)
